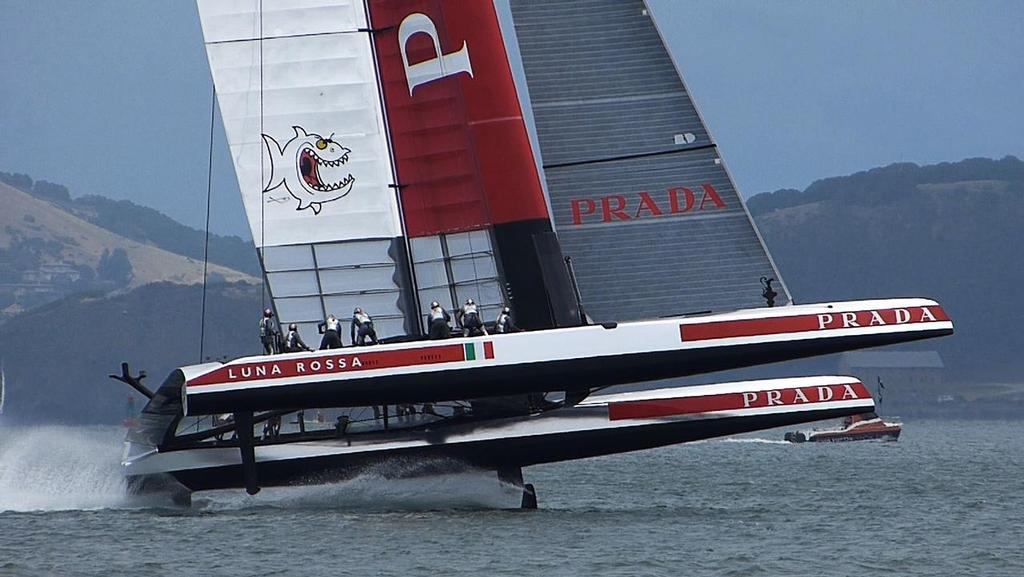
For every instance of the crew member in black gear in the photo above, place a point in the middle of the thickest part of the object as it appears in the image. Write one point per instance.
(293, 340)
(504, 324)
(471, 323)
(332, 334)
(439, 320)
(362, 328)
(269, 335)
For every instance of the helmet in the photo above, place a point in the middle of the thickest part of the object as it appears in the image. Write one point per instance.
(293, 327)
(357, 311)
(505, 310)
(268, 313)
(469, 301)
(434, 305)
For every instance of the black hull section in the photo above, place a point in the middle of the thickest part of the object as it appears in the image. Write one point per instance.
(490, 454)
(507, 380)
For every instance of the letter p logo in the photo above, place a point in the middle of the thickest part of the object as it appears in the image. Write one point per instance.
(435, 68)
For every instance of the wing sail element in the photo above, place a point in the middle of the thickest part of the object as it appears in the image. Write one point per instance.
(297, 90)
(641, 199)
(383, 158)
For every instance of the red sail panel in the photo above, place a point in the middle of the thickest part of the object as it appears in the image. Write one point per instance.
(462, 151)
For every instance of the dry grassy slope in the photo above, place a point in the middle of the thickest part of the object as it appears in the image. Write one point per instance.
(83, 243)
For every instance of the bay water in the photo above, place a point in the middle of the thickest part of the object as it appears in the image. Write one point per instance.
(947, 499)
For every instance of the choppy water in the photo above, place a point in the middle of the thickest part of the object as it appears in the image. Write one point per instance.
(948, 499)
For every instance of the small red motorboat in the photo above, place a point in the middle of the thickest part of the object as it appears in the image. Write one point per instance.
(865, 427)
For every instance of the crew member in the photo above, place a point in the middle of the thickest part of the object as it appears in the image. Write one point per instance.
(269, 334)
(439, 320)
(293, 340)
(272, 428)
(362, 328)
(332, 333)
(406, 412)
(471, 323)
(504, 324)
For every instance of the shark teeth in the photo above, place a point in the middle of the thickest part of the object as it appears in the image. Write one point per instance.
(348, 180)
(339, 162)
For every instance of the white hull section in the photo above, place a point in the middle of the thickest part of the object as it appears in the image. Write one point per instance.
(557, 359)
(600, 425)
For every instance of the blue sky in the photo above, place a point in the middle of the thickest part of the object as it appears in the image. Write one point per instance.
(112, 97)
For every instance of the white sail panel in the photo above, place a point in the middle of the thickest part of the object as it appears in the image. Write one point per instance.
(232, 20)
(297, 87)
(307, 90)
(280, 88)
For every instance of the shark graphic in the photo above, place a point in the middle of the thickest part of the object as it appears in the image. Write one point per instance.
(311, 168)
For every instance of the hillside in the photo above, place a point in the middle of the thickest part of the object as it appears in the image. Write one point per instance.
(142, 224)
(950, 231)
(57, 357)
(148, 226)
(47, 252)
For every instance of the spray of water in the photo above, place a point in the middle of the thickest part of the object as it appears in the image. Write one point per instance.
(756, 441)
(60, 468)
(390, 486)
(72, 468)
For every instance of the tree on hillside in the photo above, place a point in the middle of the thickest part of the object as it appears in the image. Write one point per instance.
(115, 267)
(51, 191)
(22, 182)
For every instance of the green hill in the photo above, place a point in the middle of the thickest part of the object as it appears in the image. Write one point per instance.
(57, 357)
(950, 231)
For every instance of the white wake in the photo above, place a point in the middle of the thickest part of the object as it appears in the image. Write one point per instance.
(55, 468)
(754, 440)
(377, 490)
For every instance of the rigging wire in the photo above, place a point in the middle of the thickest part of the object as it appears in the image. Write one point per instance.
(476, 274)
(206, 243)
(263, 204)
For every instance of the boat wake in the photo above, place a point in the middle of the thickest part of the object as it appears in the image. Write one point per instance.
(378, 489)
(54, 468)
(756, 441)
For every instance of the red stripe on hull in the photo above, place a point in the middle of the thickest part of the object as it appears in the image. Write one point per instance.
(810, 323)
(649, 409)
(328, 364)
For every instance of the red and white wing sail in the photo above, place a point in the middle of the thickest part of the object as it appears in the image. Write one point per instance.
(316, 97)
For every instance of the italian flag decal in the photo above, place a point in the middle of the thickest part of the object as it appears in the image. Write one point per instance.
(473, 351)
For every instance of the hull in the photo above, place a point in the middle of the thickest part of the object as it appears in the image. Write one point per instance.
(600, 425)
(585, 357)
(866, 430)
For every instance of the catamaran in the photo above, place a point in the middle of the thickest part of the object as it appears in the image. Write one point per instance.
(386, 160)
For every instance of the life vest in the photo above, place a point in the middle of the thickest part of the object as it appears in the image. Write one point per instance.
(267, 327)
(334, 325)
(362, 318)
(469, 309)
(437, 313)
